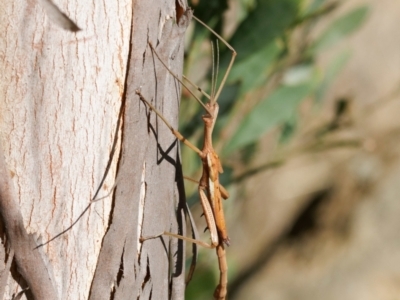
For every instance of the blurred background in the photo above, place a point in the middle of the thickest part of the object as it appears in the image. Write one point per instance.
(309, 138)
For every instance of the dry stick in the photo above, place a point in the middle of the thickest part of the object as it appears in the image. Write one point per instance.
(210, 190)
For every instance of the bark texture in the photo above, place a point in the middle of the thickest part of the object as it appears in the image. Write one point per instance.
(145, 201)
(72, 129)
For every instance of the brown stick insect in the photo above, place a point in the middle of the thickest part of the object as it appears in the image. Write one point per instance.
(210, 190)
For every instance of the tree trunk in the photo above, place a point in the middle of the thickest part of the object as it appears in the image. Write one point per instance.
(73, 130)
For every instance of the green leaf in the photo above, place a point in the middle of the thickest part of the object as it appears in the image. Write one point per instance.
(269, 20)
(253, 71)
(256, 42)
(341, 28)
(276, 109)
(315, 5)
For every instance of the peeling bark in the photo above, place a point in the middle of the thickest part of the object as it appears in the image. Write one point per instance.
(67, 102)
(150, 147)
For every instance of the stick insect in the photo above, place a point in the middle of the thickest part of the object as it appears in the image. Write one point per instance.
(210, 190)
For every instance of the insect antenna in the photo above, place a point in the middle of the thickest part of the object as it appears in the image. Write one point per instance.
(212, 94)
(216, 72)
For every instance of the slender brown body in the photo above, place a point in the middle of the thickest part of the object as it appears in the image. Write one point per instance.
(210, 182)
(211, 169)
(222, 288)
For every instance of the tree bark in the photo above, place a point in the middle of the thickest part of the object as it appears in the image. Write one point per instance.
(73, 130)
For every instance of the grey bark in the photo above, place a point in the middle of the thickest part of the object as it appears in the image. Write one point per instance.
(149, 164)
(71, 128)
